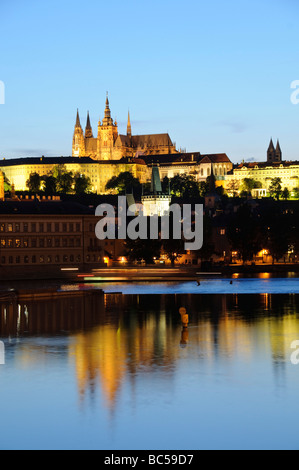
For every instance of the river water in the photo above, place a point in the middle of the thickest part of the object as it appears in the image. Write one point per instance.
(110, 366)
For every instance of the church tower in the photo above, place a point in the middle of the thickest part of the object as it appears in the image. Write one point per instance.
(278, 153)
(107, 135)
(274, 155)
(78, 149)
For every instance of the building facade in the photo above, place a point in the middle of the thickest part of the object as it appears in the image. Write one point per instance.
(264, 172)
(50, 237)
(108, 144)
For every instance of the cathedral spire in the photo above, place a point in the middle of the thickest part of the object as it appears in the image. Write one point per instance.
(78, 124)
(129, 130)
(107, 108)
(107, 115)
(88, 128)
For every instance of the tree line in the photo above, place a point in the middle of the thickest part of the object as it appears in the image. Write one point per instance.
(59, 180)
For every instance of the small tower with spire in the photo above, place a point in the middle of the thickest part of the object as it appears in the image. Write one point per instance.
(78, 149)
(129, 130)
(156, 202)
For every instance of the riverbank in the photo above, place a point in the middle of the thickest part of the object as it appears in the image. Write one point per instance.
(145, 273)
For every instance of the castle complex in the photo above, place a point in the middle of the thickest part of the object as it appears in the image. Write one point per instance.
(110, 145)
(109, 153)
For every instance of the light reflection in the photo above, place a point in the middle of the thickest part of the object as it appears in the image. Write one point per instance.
(113, 339)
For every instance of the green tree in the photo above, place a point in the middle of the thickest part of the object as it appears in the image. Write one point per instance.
(248, 184)
(7, 185)
(296, 193)
(285, 194)
(124, 182)
(34, 182)
(49, 184)
(184, 186)
(82, 184)
(65, 178)
(275, 188)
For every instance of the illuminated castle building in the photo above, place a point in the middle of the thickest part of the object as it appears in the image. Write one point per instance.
(110, 145)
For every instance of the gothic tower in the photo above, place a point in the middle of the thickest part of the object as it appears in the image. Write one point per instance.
(78, 139)
(274, 155)
(88, 128)
(278, 153)
(107, 135)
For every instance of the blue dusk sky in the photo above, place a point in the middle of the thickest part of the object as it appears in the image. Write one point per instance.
(215, 75)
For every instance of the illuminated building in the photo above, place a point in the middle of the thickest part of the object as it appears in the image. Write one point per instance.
(110, 145)
(50, 237)
(265, 172)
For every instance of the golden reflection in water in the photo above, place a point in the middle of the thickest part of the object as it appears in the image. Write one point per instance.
(112, 338)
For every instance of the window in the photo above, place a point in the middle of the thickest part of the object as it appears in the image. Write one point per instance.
(41, 259)
(33, 242)
(26, 259)
(33, 259)
(10, 243)
(41, 227)
(64, 227)
(65, 258)
(49, 242)
(49, 259)
(78, 228)
(17, 227)
(64, 242)
(10, 260)
(57, 259)
(25, 227)
(56, 227)
(49, 227)
(18, 259)
(57, 242)
(3, 260)
(25, 243)
(9, 227)
(2, 227)
(3, 242)
(71, 227)
(41, 243)
(33, 227)
(18, 243)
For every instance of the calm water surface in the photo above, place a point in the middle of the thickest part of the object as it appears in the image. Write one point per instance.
(91, 370)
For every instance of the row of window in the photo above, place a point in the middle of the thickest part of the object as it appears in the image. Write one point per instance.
(40, 227)
(40, 242)
(48, 259)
